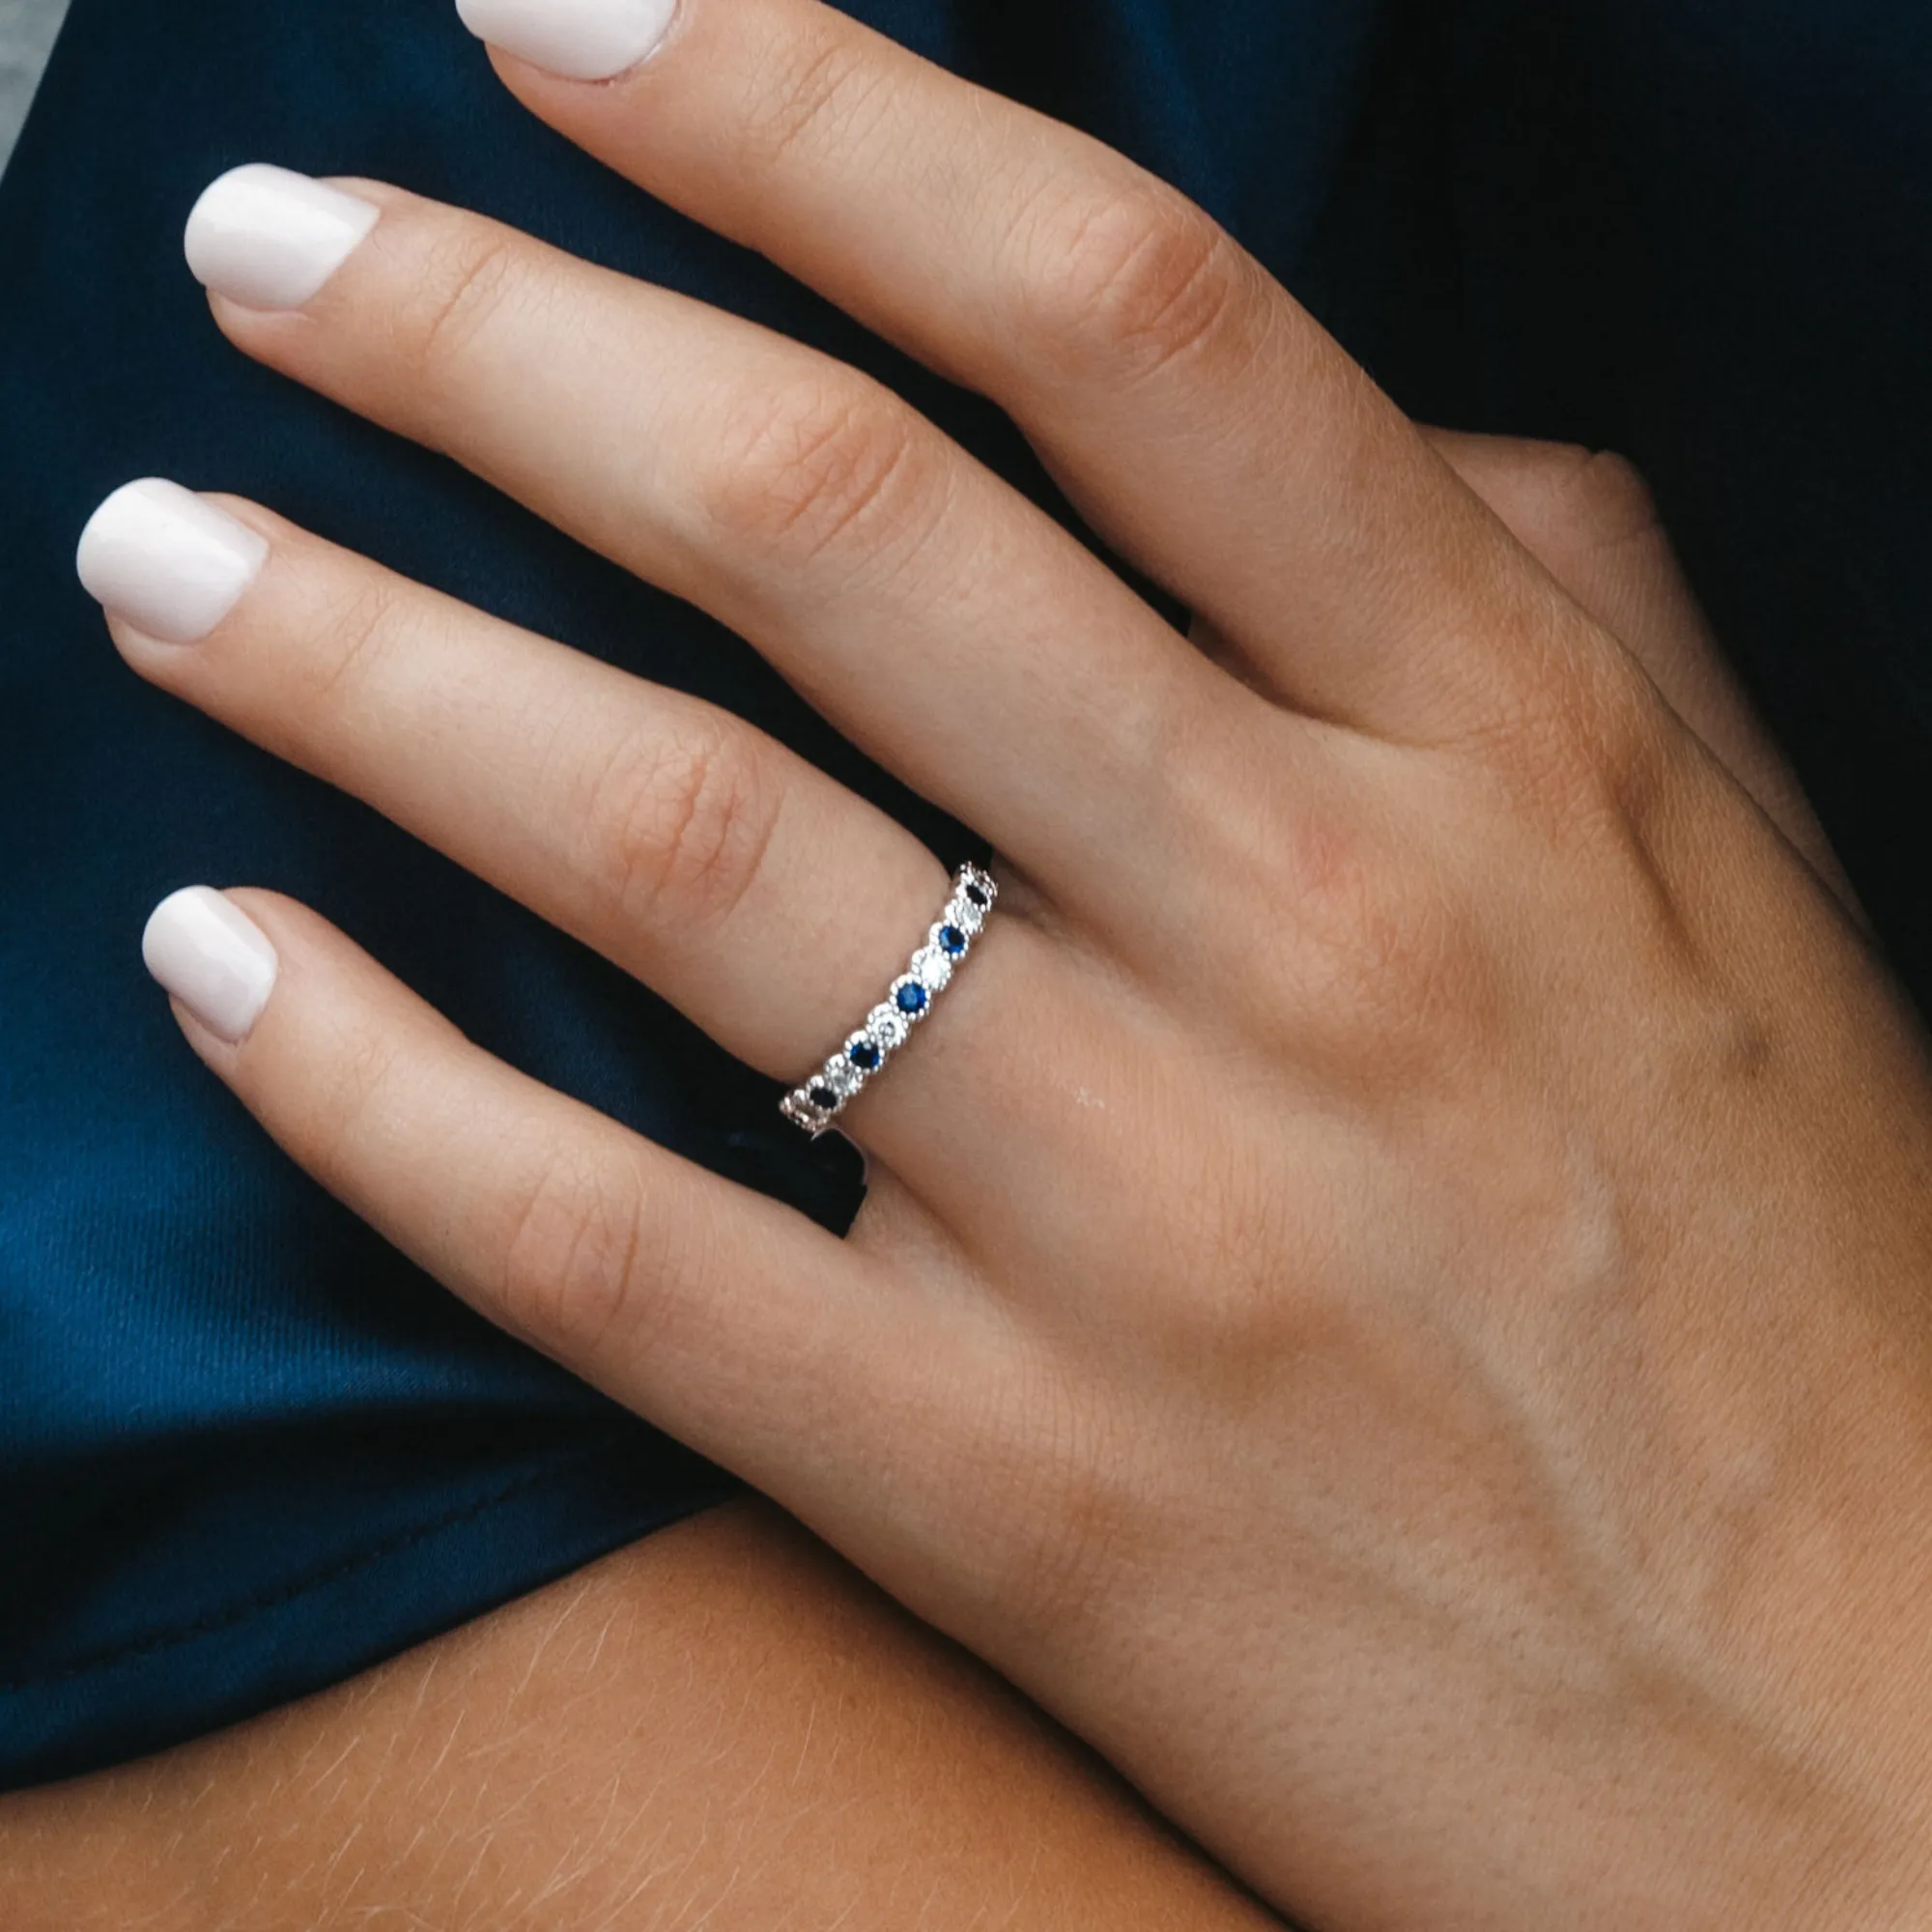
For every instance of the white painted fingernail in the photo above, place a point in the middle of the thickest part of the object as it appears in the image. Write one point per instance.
(214, 958)
(167, 561)
(268, 239)
(581, 40)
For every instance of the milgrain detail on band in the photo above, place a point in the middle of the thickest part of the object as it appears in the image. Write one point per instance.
(908, 1000)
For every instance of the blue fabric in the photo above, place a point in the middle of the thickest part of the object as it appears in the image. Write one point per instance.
(247, 1449)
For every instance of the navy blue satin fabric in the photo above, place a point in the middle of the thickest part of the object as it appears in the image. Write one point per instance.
(247, 1449)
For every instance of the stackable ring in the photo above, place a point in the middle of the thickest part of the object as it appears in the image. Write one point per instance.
(908, 1000)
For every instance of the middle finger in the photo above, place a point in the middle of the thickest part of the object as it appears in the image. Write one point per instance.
(797, 500)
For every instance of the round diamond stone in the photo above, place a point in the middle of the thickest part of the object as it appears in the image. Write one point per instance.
(887, 1026)
(841, 1077)
(933, 968)
(966, 916)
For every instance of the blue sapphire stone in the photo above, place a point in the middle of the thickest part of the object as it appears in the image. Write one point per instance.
(865, 1056)
(976, 894)
(912, 999)
(824, 1098)
(952, 939)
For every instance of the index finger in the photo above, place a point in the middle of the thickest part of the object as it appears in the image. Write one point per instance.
(1201, 418)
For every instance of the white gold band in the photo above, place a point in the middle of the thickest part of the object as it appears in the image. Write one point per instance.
(909, 999)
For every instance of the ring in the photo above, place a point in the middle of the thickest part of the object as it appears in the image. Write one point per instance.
(908, 1000)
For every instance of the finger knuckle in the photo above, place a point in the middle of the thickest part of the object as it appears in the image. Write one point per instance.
(823, 89)
(1355, 934)
(1352, 930)
(1573, 500)
(351, 1092)
(1624, 735)
(823, 463)
(465, 284)
(681, 822)
(1610, 498)
(1385, 961)
(1140, 279)
(1587, 745)
(1229, 1302)
(351, 638)
(579, 1274)
(1053, 1517)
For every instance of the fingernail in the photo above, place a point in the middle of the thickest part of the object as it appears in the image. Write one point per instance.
(166, 561)
(579, 40)
(214, 959)
(268, 239)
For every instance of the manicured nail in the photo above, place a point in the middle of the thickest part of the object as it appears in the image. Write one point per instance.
(581, 40)
(268, 239)
(166, 561)
(214, 959)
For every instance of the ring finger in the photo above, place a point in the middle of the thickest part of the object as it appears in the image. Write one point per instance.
(758, 895)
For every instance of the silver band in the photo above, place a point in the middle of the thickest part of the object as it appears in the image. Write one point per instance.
(908, 1000)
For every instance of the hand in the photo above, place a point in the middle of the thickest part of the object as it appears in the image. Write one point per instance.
(1391, 1294)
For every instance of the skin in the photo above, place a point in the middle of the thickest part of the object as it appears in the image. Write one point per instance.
(1417, 1349)
(918, 1786)
(914, 1777)
(724, 1726)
